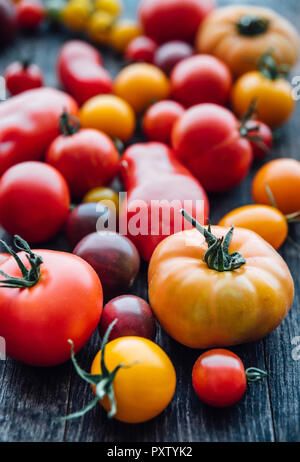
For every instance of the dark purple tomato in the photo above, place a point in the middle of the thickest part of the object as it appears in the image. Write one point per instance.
(170, 53)
(114, 258)
(8, 21)
(88, 218)
(134, 317)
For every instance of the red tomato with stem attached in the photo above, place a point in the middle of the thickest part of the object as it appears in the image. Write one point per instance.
(22, 76)
(160, 118)
(30, 13)
(261, 138)
(141, 48)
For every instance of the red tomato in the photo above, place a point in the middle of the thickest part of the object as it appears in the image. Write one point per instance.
(173, 19)
(141, 48)
(60, 298)
(160, 118)
(3, 257)
(207, 139)
(22, 76)
(170, 53)
(30, 13)
(261, 138)
(201, 79)
(86, 158)
(34, 201)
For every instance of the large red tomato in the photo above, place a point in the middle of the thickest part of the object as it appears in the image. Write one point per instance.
(207, 139)
(165, 20)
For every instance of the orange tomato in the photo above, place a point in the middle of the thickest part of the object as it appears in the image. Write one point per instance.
(122, 32)
(282, 176)
(266, 221)
(141, 84)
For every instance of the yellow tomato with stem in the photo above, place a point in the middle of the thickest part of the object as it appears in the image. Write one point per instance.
(122, 33)
(110, 114)
(103, 194)
(76, 14)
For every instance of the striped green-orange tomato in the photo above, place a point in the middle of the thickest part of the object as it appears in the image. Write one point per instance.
(226, 288)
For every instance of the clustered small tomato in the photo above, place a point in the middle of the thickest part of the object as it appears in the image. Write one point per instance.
(30, 13)
(141, 48)
(21, 76)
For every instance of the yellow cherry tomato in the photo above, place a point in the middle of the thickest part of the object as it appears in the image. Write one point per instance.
(144, 387)
(110, 114)
(122, 33)
(141, 84)
(266, 221)
(113, 7)
(99, 26)
(76, 14)
(103, 194)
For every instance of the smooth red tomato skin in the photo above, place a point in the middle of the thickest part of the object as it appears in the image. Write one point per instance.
(86, 159)
(170, 53)
(65, 304)
(134, 317)
(266, 137)
(30, 13)
(4, 257)
(219, 378)
(160, 118)
(207, 140)
(201, 79)
(19, 78)
(173, 19)
(34, 201)
(141, 48)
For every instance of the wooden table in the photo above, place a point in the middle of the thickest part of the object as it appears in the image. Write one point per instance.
(32, 399)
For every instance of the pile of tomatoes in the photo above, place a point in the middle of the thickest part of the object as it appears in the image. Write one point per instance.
(207, 114)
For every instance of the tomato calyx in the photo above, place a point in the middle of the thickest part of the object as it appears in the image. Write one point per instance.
(268, 67)
(68, 125)
(251, 25)
(254, 375)
(30, 276)
(103, 382)
(217, 257)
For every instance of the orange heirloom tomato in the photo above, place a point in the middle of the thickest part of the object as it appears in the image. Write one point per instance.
(224, 289)
(266, 221)
(282, 177)
(141, 84)
(110, 114)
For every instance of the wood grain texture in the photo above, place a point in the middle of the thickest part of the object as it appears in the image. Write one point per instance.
(33, 399)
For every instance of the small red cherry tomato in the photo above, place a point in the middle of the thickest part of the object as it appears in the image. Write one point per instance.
(160, 118)
(201, 79)
(22, 76)
(30, 13)
(141, 48)
(134, 317)
(261, 138)
(170, 53)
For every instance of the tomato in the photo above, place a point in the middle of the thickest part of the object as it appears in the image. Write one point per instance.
(110, 114)
(169, 54)
(105, 195)
(30, 13)
(266, 221)
(85, 157)
(140, 84)
(173, 19)
(22, 76)
(113, 7)
(282, 177)
(122, 32)
(201, 79)
(219, 377)
(59, 297)
(99, 27)
(76, 14)
(34, 201)
(260, 137)
(113, 257)
(134, 317)
(207, 139)
(8, 21)
(160, 118)
(3, 257)
(139, 379)
(141, 48)
(273, 94)
(223, 289)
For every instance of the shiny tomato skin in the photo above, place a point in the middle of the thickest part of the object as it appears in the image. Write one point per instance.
(20, 78)
(219, 378)
(170, 53)
(173, 19)
(4, 257)
(86, 159)
(30, 13)
(65, 304)
(34, 201)
(141, 48)
(264, 145)
(160, 118)
(134, 317)
(207, 140)
(201, 79)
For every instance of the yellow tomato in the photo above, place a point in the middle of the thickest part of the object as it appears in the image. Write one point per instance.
(113, 7)
(266, 221)
(110, 114)
(123, 32)
(274, 101)
(103, 194)
(145, 385)
(141, 84)
(99, 26)
(76, 14)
